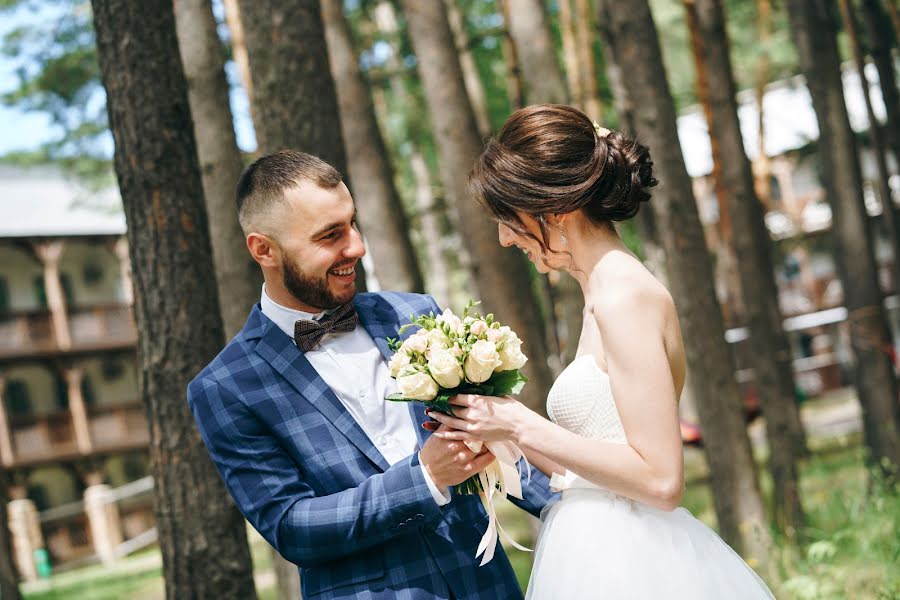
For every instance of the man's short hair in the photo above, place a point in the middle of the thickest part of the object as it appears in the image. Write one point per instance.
(260, 189)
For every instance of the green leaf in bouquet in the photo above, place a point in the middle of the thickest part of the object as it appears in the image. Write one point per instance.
(398, 397)
(506, 383)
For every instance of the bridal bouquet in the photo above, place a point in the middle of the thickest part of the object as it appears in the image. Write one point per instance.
(472, 354)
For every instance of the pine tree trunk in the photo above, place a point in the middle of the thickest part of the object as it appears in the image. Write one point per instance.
(514, 84)
(380, 210)
(584, 32)
(735, 489)
(472, 79)
(501, 275)
(238, 276)
(570, 50)
(239, 47)
(870, 338)
(294, 100)
(881, 39)
(769, 345)
(545, 84)
(202, 535)
(9, 578)
(544, 81)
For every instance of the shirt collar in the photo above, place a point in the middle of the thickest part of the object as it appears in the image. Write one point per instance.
(283, 316)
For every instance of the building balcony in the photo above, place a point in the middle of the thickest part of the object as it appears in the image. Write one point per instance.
(47, 438)
(30, 334)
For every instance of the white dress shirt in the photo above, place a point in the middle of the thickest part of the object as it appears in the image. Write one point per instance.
(387, 424)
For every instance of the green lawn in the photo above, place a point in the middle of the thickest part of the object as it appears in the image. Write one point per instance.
(851, 549)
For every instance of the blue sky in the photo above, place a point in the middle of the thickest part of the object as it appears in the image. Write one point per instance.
(27, 131)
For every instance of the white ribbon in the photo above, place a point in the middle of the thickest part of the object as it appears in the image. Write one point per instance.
(500, 478)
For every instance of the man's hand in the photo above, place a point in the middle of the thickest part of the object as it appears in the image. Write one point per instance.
(449, 462)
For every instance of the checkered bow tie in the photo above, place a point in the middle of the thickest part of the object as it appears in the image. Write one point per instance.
(307, 333)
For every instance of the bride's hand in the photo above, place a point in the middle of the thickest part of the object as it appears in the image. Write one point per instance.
(483, 418)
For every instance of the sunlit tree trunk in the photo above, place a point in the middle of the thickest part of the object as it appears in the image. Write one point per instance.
(772, 364)
(472, 79)
(736, 495)
(584, 31)
(813, 32)
(380, 210)
(514, 85)
(202, 536)
(881, 39)
(501, 274)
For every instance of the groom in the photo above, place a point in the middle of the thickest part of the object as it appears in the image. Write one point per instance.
(346, 485)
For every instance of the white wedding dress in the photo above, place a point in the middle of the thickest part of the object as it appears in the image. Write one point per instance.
(599, 545)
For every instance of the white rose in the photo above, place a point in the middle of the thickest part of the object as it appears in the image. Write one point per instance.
(445, 369)
(511, 356)
(478, 328)
(450, 319)
(398, 361)
(417, 343)
(483, 358)
(417, 385)
(494, 334)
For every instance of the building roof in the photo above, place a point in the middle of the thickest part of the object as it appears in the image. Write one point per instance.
(790, 121)
(42, 201)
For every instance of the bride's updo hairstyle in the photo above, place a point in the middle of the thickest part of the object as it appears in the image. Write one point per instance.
(551, 159)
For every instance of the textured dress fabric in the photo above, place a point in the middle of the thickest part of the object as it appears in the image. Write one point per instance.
(597, 544)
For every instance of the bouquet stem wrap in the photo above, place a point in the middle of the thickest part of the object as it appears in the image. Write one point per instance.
(500, 478)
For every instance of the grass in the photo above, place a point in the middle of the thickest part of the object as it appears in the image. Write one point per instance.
(851, 548)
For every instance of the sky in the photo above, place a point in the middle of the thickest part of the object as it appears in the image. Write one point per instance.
(27, 131)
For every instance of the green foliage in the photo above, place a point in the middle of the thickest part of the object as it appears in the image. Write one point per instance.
(58, 75)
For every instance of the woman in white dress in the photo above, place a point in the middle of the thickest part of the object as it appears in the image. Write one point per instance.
(556, 182)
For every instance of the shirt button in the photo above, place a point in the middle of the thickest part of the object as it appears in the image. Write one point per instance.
(383, 440)
(362, 393)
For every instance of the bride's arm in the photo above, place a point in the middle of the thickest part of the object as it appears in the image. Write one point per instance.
(650, 467)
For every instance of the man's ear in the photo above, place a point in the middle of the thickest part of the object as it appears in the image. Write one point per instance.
(264, 250)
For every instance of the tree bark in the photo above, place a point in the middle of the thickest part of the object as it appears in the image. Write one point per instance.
(472, 79)
(771, 350)
(881, 39)
(544, 81)
(870, 339)
(238, 276)
(202, 535)
(888, 214)
(239, 47)
(736, 495)
(380, 209)
(9, 578)
(545, 84)
(294, 99)
(514, 84)
(501, 275)
(570, 50)
(584, 33)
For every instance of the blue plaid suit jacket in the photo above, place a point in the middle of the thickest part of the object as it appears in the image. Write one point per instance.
(307, 477)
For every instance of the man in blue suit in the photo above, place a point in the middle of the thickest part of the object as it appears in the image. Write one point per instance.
(348, 486)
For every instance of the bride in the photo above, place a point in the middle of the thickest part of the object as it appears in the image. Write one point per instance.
(556, 182)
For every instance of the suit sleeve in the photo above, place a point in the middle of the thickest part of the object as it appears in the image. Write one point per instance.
(269, 487)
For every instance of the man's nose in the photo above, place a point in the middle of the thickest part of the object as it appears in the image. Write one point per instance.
(356, 248)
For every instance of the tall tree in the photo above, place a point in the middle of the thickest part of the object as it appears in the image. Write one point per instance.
(9, 579)
(202, 535)
(769, 345)
(237, 275)
(514, 84)
(881, 37)
(889, 214)
(501, 275)
(584, 31)
(294, 99)
(736, 496)
(545, 84)
(530, 32)
(812, 25)
(472, 79)
(381, 212)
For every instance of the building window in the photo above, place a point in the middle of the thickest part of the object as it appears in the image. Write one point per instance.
(18, 401)
(4, 296)
(40, 290)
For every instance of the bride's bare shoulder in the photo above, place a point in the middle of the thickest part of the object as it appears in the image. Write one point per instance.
(621, 283)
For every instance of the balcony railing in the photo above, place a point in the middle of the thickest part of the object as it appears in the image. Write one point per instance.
(31, 333)
(51, 437)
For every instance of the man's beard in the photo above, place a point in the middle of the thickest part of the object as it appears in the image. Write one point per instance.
(311, 290)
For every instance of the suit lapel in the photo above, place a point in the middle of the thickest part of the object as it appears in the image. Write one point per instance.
(284, 356)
